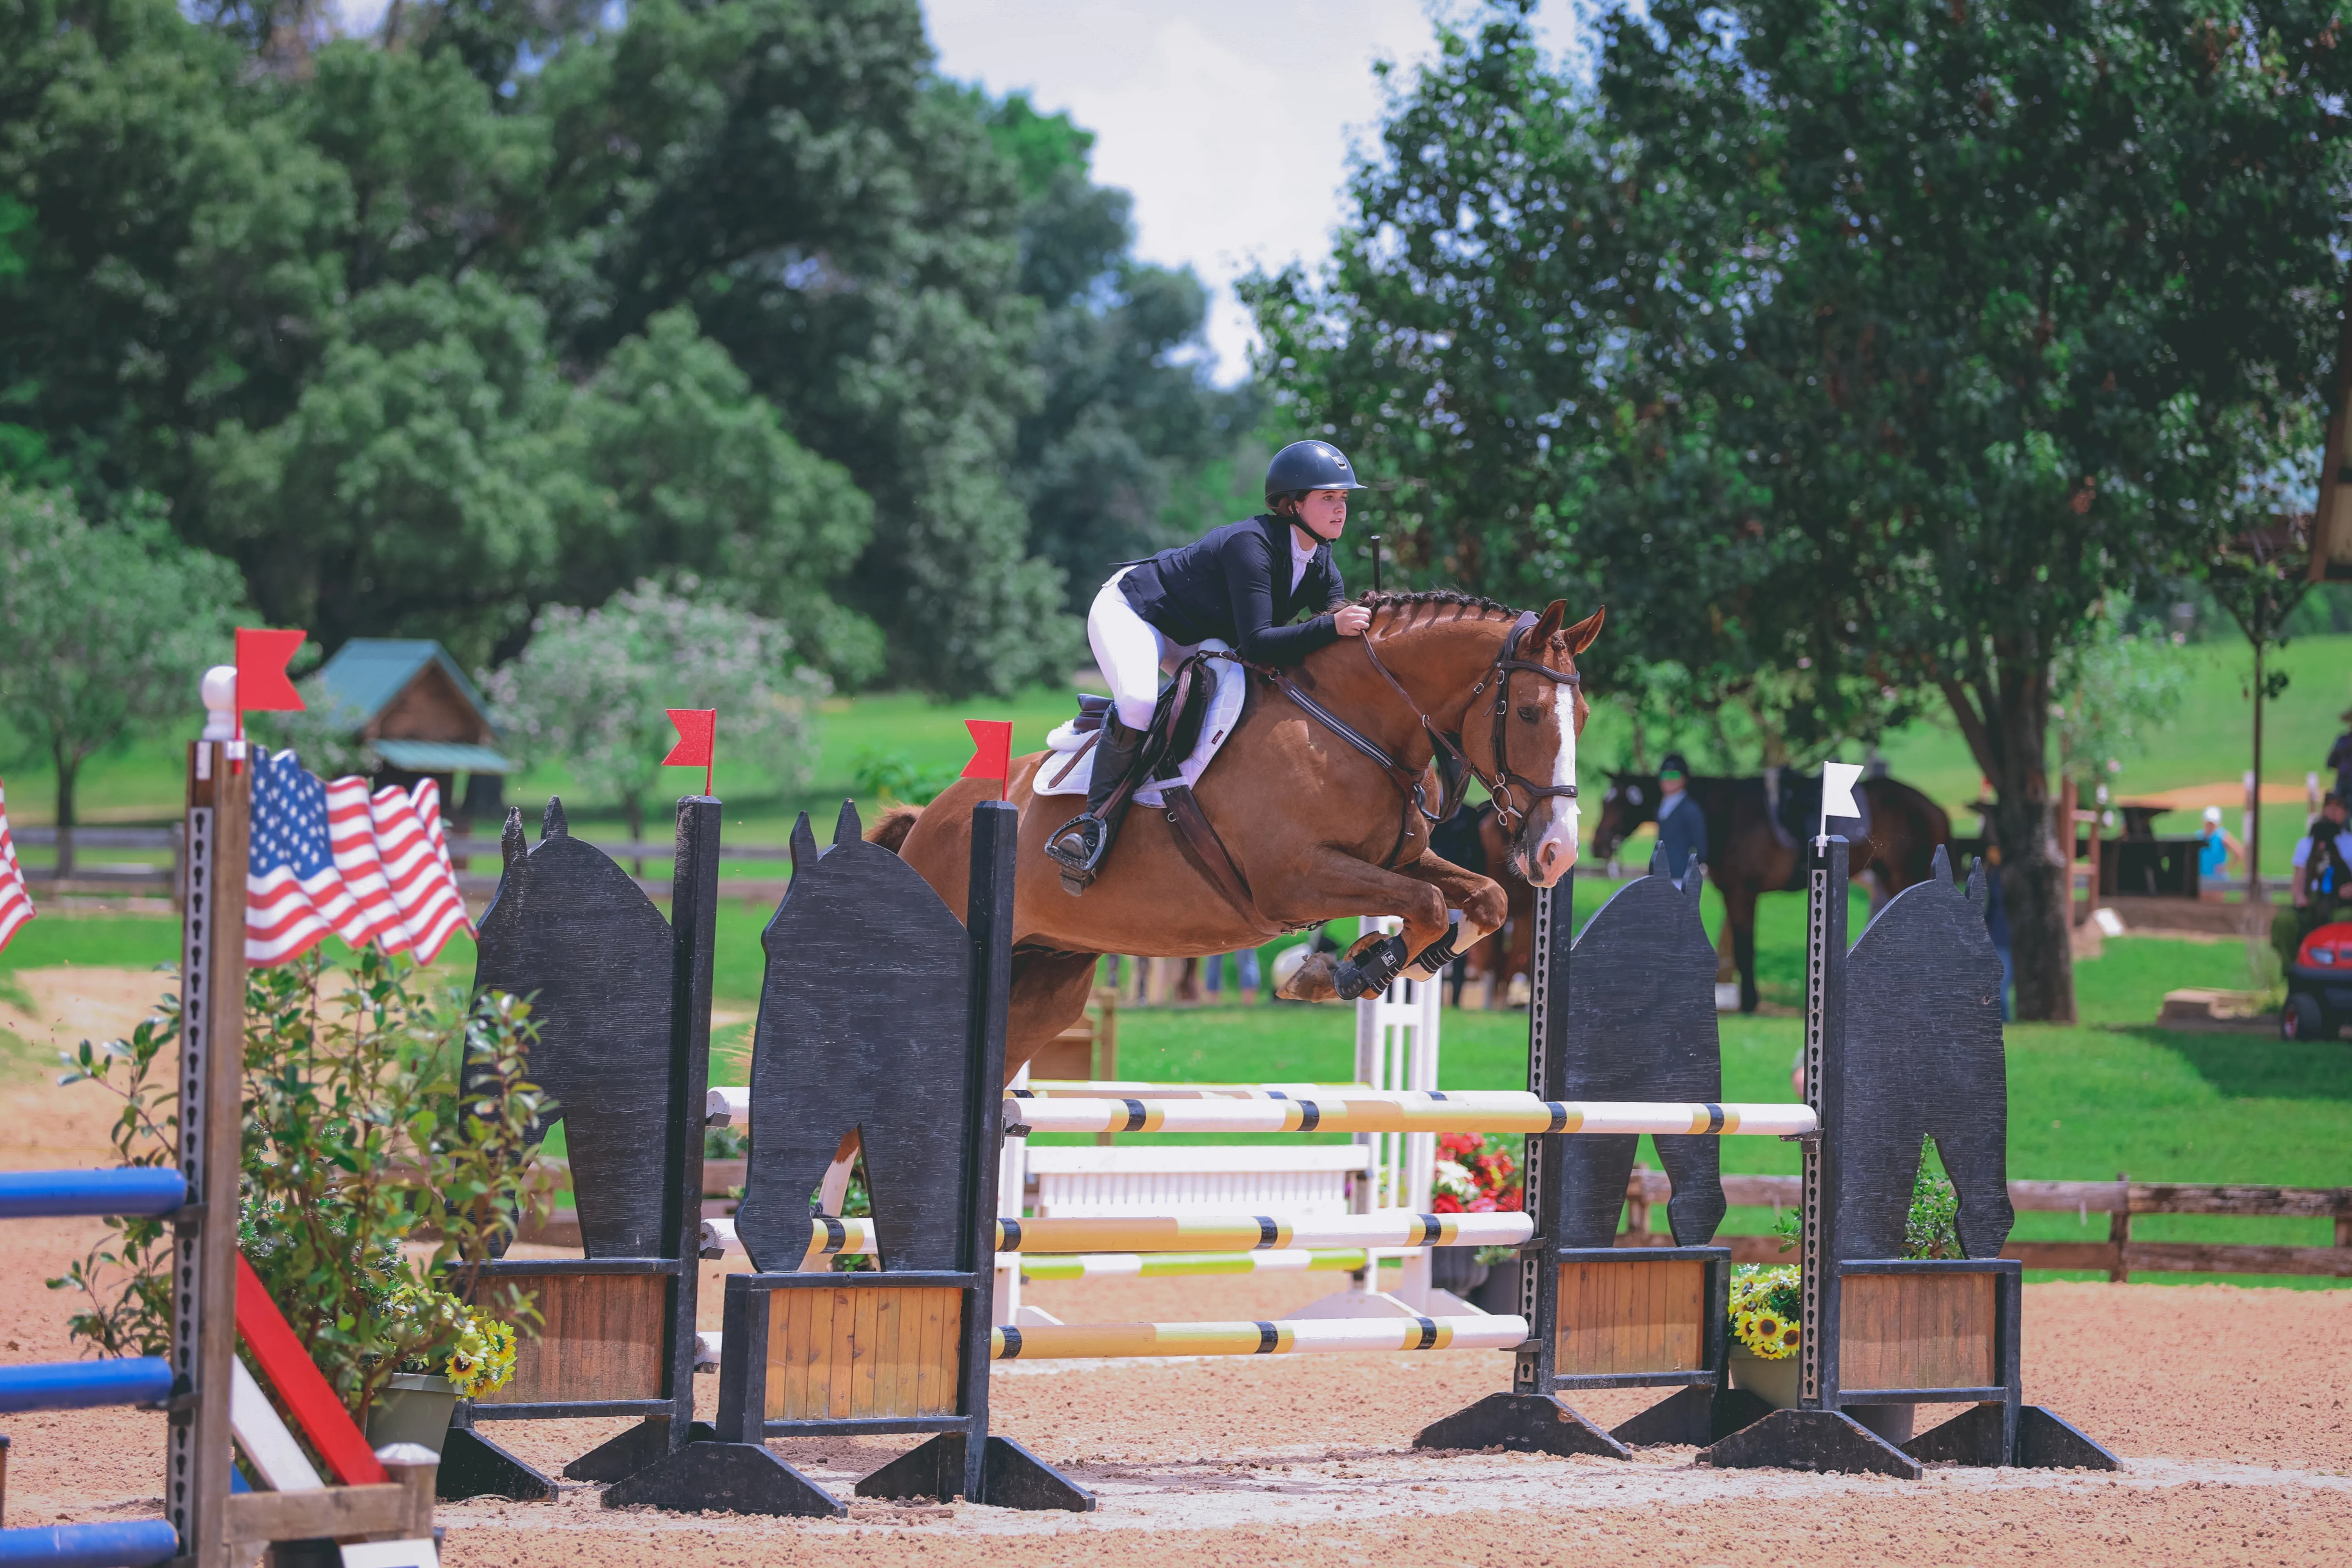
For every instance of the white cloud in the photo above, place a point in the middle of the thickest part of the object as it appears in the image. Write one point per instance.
(1230, 121)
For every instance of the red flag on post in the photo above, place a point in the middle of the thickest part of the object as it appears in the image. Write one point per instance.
(261, 659)
(698, 739)
(992, 755)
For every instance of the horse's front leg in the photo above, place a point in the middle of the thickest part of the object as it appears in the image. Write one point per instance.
(1484, 907)
(1328, 884)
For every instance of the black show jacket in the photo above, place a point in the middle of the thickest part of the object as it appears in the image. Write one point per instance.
(1234, 583)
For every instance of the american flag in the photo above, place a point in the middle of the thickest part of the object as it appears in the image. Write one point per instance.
(15, 903)
(332, 859)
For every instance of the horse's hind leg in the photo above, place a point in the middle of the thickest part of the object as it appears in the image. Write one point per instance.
(1739, 914)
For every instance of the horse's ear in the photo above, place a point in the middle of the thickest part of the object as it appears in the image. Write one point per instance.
(1581, 635)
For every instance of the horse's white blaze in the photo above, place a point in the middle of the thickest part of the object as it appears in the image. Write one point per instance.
(1551, 856)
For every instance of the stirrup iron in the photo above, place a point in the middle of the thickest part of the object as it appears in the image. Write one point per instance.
(1078, 864)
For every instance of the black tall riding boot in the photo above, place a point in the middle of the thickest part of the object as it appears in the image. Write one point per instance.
(1079, 844)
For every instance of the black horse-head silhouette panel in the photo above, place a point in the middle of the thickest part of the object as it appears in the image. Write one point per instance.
(1922, 1057)
(863, 1024)
(572, 933)
(1642, 1026)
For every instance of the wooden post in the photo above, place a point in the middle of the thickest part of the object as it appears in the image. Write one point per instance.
(2119, 1234)
(2090, 896)
(2065, 837)
(212, 1051)
(988, 918)
(1826, 960)
(413, 1468)
(694, 923)
(1106, 1054)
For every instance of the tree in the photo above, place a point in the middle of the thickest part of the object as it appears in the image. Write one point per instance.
(101, 630)
(2260, 576)
(592, 688)
(338, 301)
(2115, 691)
(441, 477)
(1127, 420)
(1882, 340)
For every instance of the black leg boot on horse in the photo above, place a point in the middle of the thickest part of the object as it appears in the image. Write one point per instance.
(1079, 844)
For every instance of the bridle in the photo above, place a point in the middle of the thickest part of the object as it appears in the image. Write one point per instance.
(1506, 778)
(1503, 783)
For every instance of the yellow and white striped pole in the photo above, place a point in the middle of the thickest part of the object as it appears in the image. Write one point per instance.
(1252, 1233)
(1128, 1089)
(1070, 1341)
(1195, 1233)
(1406, 1110)
(1170, 1265)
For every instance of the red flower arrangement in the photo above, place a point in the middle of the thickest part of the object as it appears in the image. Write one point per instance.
(1477, 1174)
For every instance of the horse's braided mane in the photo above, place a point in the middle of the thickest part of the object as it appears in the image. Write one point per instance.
(1437, 598)
(1467, 606)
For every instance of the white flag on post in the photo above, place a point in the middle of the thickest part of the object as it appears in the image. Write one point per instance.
(1838, 780)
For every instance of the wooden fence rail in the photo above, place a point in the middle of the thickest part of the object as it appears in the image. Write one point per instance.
(2117, 1257)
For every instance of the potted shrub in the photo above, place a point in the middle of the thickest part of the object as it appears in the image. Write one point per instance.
(387, 1154)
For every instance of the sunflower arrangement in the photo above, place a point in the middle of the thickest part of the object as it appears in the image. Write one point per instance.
(481, 1355)
(483, 1360)
(1764, 1303)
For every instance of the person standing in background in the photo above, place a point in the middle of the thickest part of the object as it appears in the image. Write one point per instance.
(2216, 847)
(1682, 825)
(1245, 961)
(2339, 756)
(2323, 880)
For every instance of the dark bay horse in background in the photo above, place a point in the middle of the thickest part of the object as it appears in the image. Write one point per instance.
(1315, 826)
(1748, 853)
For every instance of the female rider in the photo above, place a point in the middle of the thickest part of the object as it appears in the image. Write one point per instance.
(1243, 582)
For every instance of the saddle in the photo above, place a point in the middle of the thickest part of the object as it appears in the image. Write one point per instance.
(1168, 740)
(1176, 720)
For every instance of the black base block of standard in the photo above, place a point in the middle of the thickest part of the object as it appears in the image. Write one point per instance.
(1522, 1424)
(735, 1478)
(473, 1465)
(2045, 1441)
(1695, 1415)
(1971, 1437)
(1822, 1440)
(1012, 1476)
(2048, 1441)
(618, 1458)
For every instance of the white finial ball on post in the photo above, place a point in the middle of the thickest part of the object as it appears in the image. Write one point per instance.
(219, 690)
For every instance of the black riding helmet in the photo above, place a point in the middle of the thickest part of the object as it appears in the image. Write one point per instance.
(1309, 466)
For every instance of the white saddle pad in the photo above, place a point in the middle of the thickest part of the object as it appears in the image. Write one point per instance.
(1060, 775)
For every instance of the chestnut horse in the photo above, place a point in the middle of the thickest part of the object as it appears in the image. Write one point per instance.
(1746, 854)
(1316, 828)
